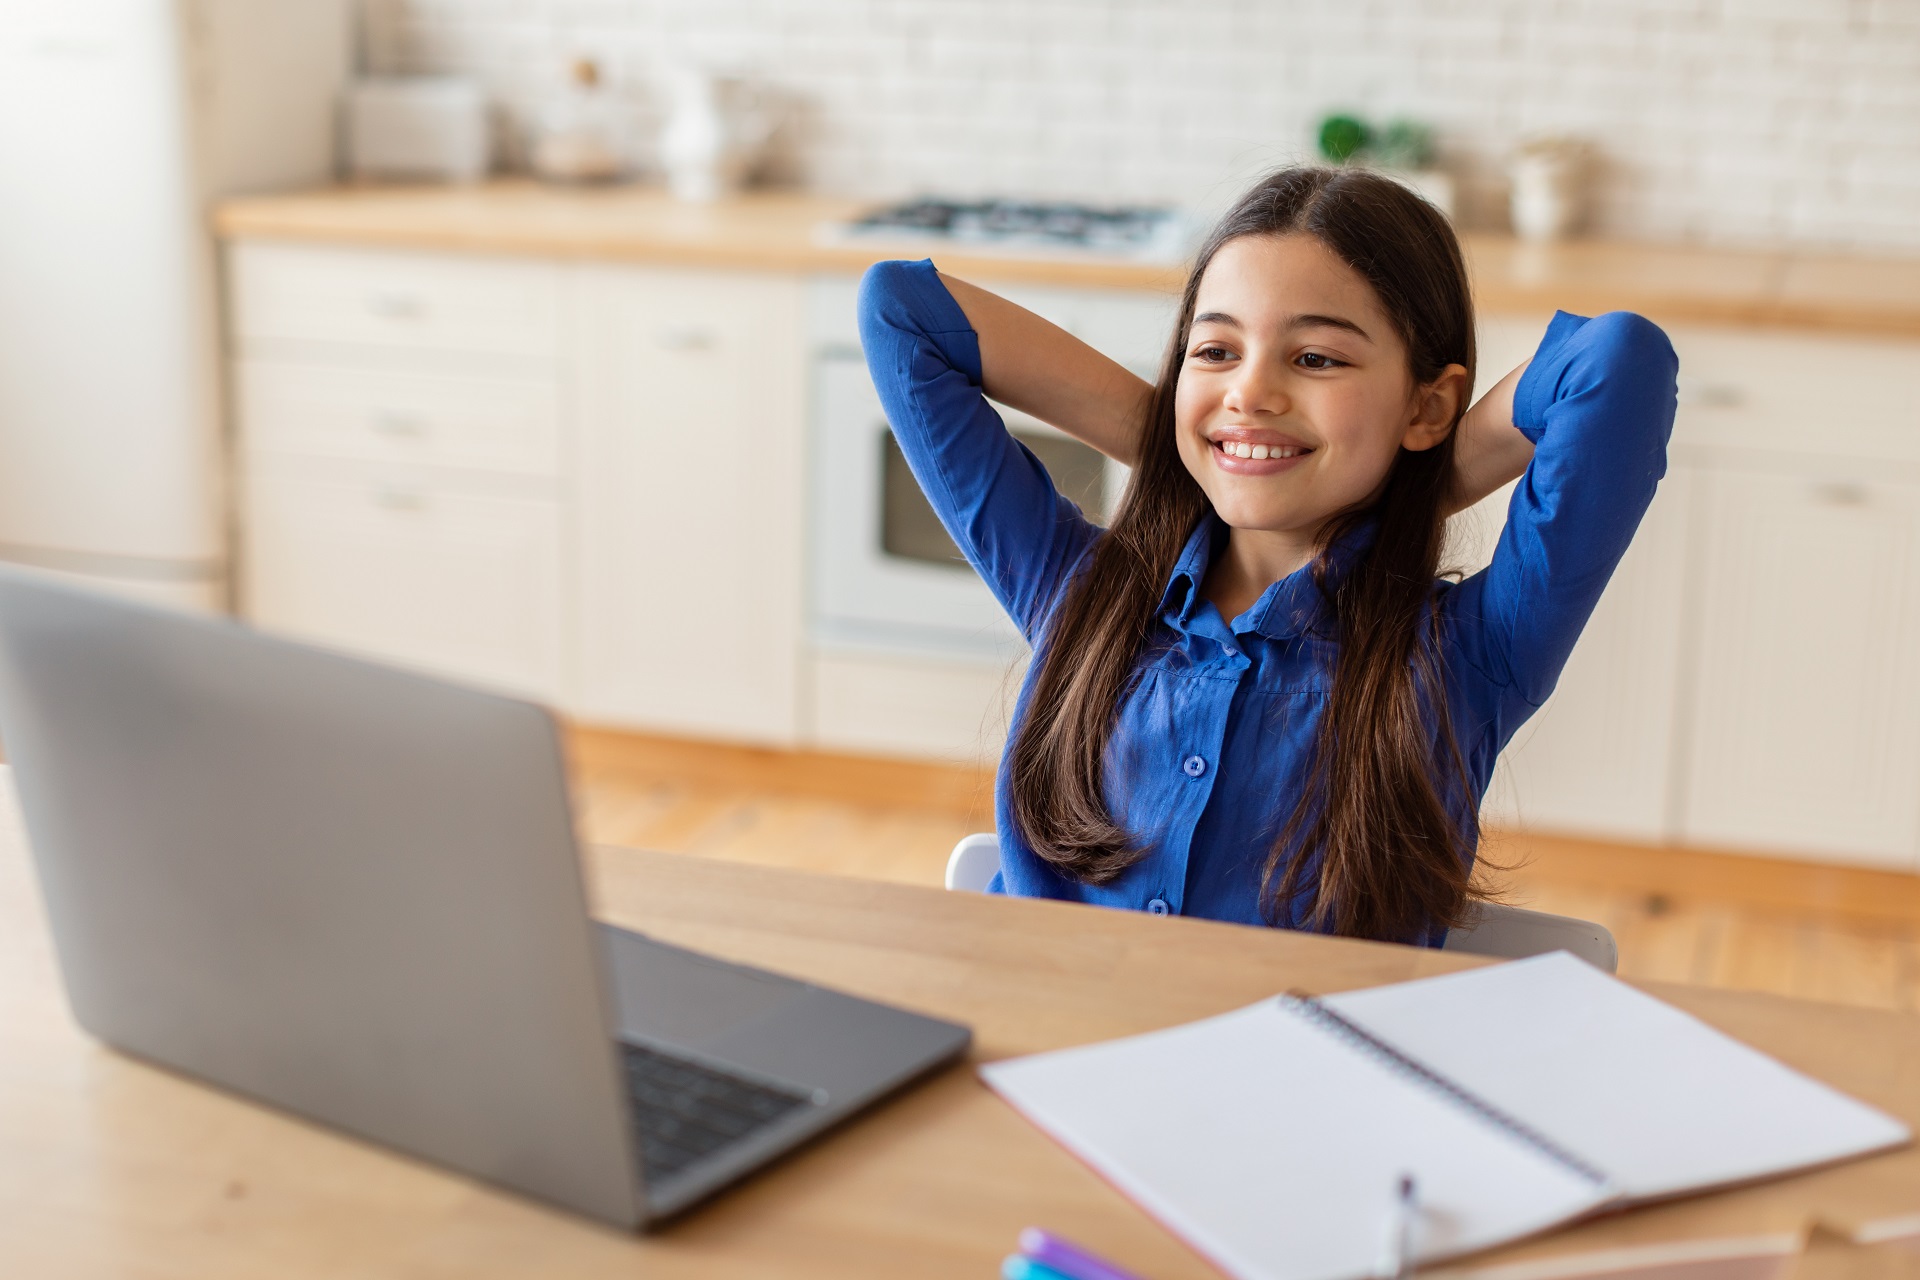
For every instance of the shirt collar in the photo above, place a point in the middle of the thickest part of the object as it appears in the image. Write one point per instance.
(1290, 607)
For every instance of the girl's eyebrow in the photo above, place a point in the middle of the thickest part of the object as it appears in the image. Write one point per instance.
(1328, 322)
(1310, 321)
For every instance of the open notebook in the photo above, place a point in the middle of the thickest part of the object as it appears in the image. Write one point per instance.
(1518, 1096)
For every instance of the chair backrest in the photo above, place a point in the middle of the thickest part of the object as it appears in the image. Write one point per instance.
(1509, 932)
(1514, 933)
(974, 862)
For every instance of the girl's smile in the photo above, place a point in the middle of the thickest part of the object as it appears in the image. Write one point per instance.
(1255, 451)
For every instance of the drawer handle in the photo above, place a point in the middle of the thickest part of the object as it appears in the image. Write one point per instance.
(399, 426)
(686, 339)
(1842, 493)
(396, 306)
(1695, 394)
(395, 498)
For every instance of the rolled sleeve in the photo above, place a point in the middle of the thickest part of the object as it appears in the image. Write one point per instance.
(993, 496)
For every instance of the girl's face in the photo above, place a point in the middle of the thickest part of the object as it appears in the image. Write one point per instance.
(1295, 394)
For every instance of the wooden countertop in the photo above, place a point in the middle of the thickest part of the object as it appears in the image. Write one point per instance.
(779, 231)
(109, 1167)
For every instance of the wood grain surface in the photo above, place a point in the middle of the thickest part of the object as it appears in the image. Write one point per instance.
(111, 1168)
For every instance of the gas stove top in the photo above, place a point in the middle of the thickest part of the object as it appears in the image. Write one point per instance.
(1140, 233)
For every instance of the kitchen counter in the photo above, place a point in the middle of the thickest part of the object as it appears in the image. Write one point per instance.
(779, 231)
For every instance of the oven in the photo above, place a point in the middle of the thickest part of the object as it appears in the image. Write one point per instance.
(885, 577)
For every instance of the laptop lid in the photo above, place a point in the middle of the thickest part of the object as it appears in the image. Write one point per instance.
(340, 889)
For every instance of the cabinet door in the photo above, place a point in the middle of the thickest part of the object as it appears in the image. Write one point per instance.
(1598, 757)
(392, 566)
(691, 395)
(1806, 699)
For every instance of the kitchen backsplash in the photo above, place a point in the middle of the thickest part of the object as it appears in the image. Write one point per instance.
(1721, 120)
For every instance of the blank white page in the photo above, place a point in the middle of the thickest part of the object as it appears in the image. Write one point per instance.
(1657, 1099)
(1275, 1147)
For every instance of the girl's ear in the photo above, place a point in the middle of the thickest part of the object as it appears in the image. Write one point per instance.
(1435, 406)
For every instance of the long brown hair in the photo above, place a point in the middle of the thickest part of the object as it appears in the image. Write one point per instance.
(1370, 848)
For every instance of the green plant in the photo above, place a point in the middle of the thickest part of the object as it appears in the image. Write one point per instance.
(1403, 144)
(1343, 137)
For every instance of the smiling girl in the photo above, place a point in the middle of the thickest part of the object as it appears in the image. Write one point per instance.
(1253, 697)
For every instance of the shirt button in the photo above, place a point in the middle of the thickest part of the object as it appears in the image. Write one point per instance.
(1232, 652)
(1194, 766)
(1158, 907)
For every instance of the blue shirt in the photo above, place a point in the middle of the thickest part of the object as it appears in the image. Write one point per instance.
(1213, 738)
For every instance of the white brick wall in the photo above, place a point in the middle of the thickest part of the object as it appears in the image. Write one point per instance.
(1722, 120)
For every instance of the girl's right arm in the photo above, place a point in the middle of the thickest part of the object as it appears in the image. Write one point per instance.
(1037, 367)
(990, 492)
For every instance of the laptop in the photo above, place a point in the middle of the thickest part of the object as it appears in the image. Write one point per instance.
(353, 893)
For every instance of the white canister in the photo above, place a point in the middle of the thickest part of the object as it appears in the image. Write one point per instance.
(414, 127)
(1549, 176)
(714, 135)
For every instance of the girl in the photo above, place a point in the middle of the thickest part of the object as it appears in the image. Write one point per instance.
(1251, 697)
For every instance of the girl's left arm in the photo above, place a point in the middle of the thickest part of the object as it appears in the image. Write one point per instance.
(1596, 404)
(1488, 450)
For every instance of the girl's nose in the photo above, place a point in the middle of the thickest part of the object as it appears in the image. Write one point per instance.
(1257, 391)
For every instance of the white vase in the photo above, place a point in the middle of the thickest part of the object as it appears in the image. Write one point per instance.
(714, 135)
(1549, 197)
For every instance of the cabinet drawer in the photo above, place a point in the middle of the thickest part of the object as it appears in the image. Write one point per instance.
(409, 301)
(374, 415)
(1799, 393)
(386, 563)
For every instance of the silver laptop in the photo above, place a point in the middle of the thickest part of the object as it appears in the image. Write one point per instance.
(354, 893)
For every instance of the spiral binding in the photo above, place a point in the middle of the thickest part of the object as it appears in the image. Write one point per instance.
(1307, 1006)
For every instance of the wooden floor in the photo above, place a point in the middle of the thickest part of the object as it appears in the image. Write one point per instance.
(1822, 932)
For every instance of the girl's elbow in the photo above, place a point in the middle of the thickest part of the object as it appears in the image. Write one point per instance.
(1638, 342)
(883, 301)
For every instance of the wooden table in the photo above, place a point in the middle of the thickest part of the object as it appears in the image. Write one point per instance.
(110, 1168)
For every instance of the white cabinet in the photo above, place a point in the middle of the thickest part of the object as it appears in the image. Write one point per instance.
(1598, 757)
(1749, 680)
(1805, 706)
(402, 458)
(400, 564)
(690, 392)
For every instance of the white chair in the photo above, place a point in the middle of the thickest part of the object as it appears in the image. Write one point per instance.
(973, 862)
(1508, 932)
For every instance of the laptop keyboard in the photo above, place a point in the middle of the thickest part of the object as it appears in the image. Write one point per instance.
(685, 1111)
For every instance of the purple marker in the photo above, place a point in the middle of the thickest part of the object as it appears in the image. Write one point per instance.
(1069, 1260)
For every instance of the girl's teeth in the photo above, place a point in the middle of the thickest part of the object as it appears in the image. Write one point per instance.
(1259, 452)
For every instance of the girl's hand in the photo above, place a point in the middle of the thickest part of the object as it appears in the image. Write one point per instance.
(1040, 369)
(1489, 450)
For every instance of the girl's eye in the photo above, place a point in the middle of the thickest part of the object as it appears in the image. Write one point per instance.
(1314, 360)
(1212, 354)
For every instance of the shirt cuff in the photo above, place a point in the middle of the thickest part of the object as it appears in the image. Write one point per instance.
(1540, 384)
(943, 317)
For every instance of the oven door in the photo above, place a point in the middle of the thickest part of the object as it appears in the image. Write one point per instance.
(885, 574)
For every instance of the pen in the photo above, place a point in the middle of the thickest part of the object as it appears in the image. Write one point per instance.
(1397, 1259)
(1067, 1260)
(1020, 1267)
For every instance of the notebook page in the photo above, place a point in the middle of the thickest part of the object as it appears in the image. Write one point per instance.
(1658, 1099)
(1274, 1147)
